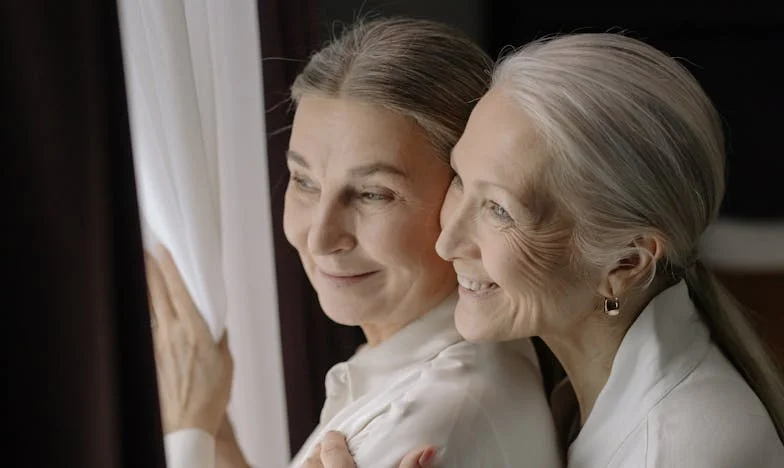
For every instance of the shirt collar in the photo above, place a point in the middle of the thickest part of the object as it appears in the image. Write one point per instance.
(372, 367)
(662, 346)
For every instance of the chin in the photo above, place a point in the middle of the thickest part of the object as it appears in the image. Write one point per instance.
(339, 314)
(341, 311)
(488, 324)
(473, 327)
(349, 320)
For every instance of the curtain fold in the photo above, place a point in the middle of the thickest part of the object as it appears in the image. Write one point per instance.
(196, 108)
(171, 94)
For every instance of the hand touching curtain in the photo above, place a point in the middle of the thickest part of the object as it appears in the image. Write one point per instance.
(194, 85)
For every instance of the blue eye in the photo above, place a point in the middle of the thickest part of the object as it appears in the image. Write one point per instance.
(499, 211)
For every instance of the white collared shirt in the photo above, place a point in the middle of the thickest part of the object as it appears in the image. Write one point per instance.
(482, 404)
(673, 400)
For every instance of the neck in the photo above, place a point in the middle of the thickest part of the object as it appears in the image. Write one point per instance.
(380, 331)
(587, 350)
(587, 354)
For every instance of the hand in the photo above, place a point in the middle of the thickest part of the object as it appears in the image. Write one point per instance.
(333, 452)
(194, 373)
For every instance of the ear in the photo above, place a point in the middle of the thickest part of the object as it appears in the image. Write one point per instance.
(632, 270)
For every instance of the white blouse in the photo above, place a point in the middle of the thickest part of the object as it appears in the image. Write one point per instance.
(482, 404)
(673, 400)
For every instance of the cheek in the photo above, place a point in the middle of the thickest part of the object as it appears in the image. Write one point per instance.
(537, 259)
(402, 238)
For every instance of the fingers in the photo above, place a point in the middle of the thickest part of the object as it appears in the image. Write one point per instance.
(314, 459)
(223, 346)
(334, 451)
(184, 308)
(160, 305)
(422, 457)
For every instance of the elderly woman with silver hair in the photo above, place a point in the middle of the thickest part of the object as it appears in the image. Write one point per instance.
(584, 179)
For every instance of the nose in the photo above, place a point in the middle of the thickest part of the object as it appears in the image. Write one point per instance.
(456, 229)
(329, 231)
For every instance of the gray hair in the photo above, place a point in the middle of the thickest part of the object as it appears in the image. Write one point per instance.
(421, 69)
(638, 149)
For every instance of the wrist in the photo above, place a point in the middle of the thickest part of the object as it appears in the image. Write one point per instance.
(193, 423)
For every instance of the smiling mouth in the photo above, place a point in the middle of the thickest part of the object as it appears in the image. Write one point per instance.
(476, 287)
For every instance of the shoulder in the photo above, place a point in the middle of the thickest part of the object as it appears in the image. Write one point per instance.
(472, 404)
(488, 377)
(712, 418)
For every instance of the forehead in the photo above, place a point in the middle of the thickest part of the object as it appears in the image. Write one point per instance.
(500, 143)
(339, 133)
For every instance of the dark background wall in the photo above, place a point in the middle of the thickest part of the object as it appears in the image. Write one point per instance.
(734, 53)
(468, 15)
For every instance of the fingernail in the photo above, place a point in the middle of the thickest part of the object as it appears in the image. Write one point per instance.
(426, 457)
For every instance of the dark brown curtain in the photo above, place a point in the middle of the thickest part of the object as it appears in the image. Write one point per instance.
(80, 374)
(290, 31)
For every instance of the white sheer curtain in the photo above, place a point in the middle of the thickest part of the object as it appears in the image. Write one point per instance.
(193, 76)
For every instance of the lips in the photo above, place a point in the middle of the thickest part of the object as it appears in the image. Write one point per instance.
(346, 278)
(345, 275)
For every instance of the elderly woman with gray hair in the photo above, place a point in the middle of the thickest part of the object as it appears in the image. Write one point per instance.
(584, 180)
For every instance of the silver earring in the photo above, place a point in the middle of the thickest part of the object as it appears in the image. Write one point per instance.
(612, 306)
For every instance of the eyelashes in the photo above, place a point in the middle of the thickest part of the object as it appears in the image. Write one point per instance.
(499, 212)
(381, 196)
(375, 195)
(303, 183)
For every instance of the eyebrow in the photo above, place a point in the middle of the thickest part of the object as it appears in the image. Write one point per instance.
(377, 168)
(363, 170)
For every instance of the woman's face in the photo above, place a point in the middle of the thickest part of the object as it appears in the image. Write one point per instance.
(362, 209)
(509, 241)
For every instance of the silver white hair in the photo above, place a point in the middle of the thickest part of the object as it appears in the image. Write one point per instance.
(638, 149)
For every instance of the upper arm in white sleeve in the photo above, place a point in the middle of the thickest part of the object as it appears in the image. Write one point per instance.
(464, 425)
(189, 448)
(406, 425)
